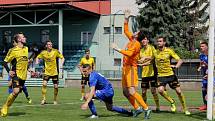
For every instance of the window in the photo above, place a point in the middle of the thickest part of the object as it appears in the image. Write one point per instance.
(118, 30)
(117, 61)
(44, 35)
(106, 30)
(86, 38)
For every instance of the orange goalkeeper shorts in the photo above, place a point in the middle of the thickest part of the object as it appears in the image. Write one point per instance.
(129, 76)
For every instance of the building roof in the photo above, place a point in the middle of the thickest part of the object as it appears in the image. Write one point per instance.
(95, 6)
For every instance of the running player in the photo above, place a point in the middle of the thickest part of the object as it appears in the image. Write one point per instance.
(50, 57)
(10, 86)
(100, 88)
(85, 60)
(18, 73)
(129, 72)
(166, 75)
(149, 76)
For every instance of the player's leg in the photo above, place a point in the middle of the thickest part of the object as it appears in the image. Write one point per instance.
(17, 84)
(82, 87)
(153, 84)
(162, 81)
(176, 86)
(55, 82)
(25, 90)
(10, 87)
(44, 89)
(204, 93)
(144, 86)
(91, 107)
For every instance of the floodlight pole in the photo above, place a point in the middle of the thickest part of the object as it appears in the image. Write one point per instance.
(210, 61)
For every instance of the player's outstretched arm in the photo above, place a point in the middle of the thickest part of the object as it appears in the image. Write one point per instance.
(89, 98)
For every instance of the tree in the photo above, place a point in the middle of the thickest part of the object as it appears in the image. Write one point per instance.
(177, 20)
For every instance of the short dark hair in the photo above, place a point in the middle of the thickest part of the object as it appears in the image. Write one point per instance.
(16, 36)
(87, 50)
(141, 35)
(204, 42)
(164, 38)
(86, 66)
(48, 41)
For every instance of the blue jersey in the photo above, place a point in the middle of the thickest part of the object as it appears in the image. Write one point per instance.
(99, 81)
(204, 59)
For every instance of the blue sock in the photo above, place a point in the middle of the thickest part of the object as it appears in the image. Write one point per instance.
(24, 89)
(120, 110)
(10, 89)
(92, 107)
(204, 93)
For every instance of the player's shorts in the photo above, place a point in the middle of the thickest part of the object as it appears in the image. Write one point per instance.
(148, 82)
(84, 80)
(129, 76)
(171, 80)
(105, 95)
(55, 79)
(17, 82)
(204, 83)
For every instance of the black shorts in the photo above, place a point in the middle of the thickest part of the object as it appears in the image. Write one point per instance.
(84, 80)
(171, 80)
(54, 78)
(148, 82)
(17, 82)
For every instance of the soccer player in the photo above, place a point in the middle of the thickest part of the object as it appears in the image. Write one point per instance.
(166, 74)
(50, 57)
(24, 88)
(18, 73)
(149, 78)
(100, 88)
(129, 72)
(203, 67)
(85, 60)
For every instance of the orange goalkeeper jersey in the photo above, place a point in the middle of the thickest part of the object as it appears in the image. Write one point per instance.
(132, 51)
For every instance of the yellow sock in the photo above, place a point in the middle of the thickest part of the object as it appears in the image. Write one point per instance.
(156, 99)
(82, 91)
(167, 97)
(44, 90)
(10, 100)
(55, 94)
(182, 100)
(140, 100)
(132, 101)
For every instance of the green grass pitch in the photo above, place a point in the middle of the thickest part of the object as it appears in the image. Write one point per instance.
(68, 108)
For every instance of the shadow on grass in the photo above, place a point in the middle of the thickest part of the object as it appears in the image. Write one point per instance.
(198, 115)
(17, 114)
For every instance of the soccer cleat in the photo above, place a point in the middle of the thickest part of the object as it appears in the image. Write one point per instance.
(29, 100)
(93, 116)
(55, 103)
(203, 108)
(147, 114)
(137, 112)
(173, 107)
(4, 111)
(187, 112)
(43, 102)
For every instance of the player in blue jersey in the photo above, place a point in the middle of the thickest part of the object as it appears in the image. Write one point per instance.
(100, 88)
(203, 67)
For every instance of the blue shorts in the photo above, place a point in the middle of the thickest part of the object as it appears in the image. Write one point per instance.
(105, 95)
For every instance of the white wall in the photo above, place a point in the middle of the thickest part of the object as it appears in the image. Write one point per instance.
(118, 6)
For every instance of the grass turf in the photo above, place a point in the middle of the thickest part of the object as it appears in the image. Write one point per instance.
(68, 108)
